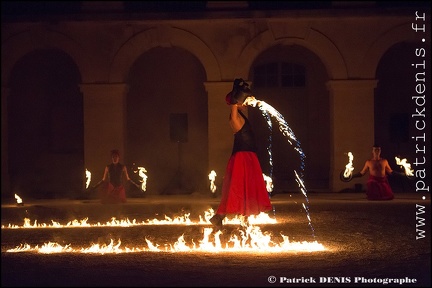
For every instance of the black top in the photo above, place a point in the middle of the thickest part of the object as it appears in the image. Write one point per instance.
(115, 174)
(244, 139)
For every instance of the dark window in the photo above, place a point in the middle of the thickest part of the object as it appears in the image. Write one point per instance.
(279, 74)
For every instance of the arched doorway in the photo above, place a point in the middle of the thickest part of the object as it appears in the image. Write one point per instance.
(394, 107)
(167, 121)
(304, 105)
(45, 126)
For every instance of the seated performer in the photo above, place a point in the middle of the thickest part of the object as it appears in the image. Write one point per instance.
(111, 189)
(378, 186)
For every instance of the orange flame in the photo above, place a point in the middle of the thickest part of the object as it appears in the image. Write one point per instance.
(144, 178)
(212, 178)
(349, 168)
(184, 219)
(407, 166)
(249, 239)
(18, 199)
(269, 183)
(88, 177)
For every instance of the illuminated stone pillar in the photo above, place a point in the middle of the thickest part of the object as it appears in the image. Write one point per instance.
(220, 135)
(104, 124)
(352, 128)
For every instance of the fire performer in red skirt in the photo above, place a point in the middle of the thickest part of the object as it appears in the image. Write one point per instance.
(111, 188)
(378, 186)
(243, 190)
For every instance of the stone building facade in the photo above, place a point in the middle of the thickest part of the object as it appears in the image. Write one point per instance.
(152, 83)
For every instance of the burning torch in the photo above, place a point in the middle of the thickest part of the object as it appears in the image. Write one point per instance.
(19, 200)
(88, 178)
(406, 166)
(212, 178)
(141, 173)
(347, 175)
(269, 183)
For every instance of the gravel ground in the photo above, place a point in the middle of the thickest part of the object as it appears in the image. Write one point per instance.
(368, 243)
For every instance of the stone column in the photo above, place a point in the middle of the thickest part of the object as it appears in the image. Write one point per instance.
(220, 135)
(104, 125)
(352, 128)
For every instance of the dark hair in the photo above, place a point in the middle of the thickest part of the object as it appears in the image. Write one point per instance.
(228, 98)
(115, 152)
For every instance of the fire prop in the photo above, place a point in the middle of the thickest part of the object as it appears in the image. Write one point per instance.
(269, 183)
(346, 175)
(212, 178)
(141, 173)
(404, 164)
(88, 178)
(19, 200)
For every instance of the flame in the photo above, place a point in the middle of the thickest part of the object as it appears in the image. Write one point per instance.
(88, 177)
(269, 183)
(184, 219)
(247, 239)
(407, 166)
(349, 168)
(144, 177)
(18, 199)
(212, 178)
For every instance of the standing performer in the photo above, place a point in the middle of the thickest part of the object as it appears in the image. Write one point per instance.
(378, 187)
(243, 190)
(112, 190)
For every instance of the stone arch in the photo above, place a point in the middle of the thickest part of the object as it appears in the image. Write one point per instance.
(164, 37)
(315, 41)
(381, 46)
(20, 44)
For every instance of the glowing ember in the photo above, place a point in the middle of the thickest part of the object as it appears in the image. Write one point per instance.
(141, 173)
(212, 178)
(349, 168)
(407, 166)
(18, 199)
(269, 183)
(88, 177)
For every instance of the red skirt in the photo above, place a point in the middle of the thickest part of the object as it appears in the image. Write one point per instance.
(378, 188)
(244, 190)
(112, 195)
